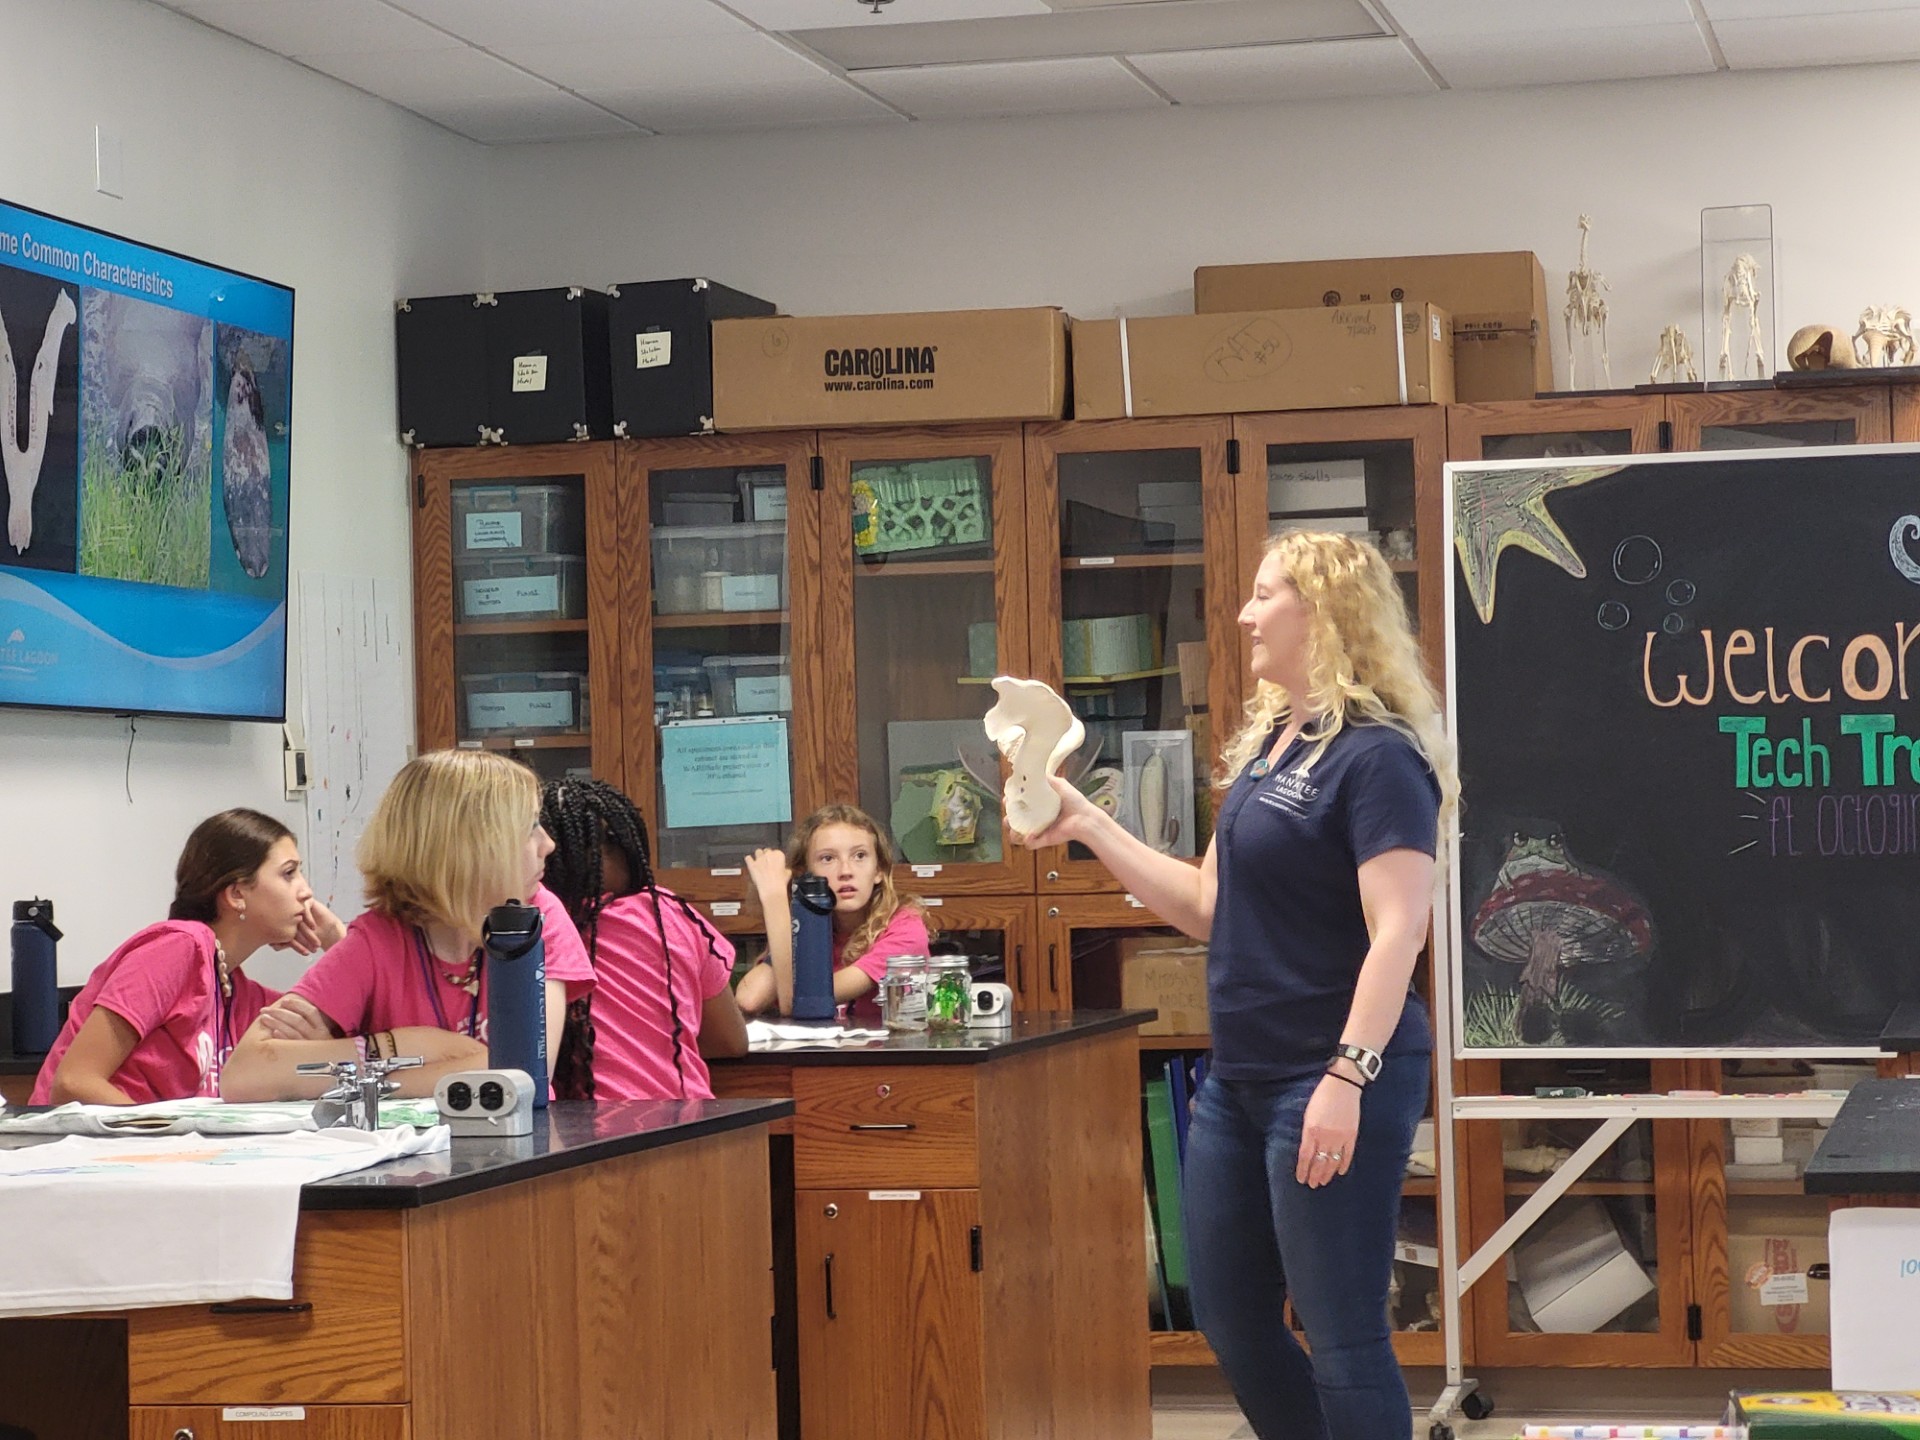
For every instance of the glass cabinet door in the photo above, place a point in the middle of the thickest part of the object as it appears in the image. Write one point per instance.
(1766, 419)
(1551, 429)
(923, 603)
(721, 554)
(995, 933)
(1135, 589)
(516, 595)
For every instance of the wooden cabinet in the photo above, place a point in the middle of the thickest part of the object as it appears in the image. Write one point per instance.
(246, 1422)
(1757, 419)
(1540, 429)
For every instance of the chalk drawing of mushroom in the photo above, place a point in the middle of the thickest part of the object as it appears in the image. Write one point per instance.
(1551, 916)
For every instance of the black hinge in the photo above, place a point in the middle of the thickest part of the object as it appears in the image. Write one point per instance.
(1233, 455)
(819, 474)
(1694, 1330)
(1666, 436)
(419, 491)
(973, 1239)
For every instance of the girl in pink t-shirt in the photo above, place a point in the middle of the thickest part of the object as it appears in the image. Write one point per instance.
(872, 922)
(159, 1017)
(457, 833)
(660, 1001)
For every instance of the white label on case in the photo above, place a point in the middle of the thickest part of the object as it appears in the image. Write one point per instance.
(1784, 1290)
(933, 902)
(735, 870)
(1135, 903)
(927, 872)
(723, 908)
(529, 373)
(653, 349)
(526, 594)
(263, 1412)
(763, 695)
(893, 1194)
(1086, 560)
(494, 530)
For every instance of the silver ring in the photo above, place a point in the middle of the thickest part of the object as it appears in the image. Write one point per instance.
(1334, 1156)
(1322, 1155)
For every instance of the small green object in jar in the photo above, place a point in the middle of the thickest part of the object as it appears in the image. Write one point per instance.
(949, 998)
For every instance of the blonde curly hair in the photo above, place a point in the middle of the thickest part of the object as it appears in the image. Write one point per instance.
(1363, 663)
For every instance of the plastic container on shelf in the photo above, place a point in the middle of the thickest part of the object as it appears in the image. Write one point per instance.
(749, 684)
(523, 587)
(526, 702)
(494, 520)
(744, 566)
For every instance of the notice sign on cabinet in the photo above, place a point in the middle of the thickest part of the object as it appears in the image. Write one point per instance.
(733, 771)
(652, 349)
(529, 373)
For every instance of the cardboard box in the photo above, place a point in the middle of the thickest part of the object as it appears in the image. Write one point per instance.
(1159, 972)
(786, 372)
(1770, 1247)
(1498, 301)
(1827, 1415)
(1574, 1272)
(1262, 359)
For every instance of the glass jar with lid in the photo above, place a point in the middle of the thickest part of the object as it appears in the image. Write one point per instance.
(949, 992)
(903, 993)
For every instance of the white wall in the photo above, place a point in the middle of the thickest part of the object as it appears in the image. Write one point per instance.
(1104, 211)
(244, 160)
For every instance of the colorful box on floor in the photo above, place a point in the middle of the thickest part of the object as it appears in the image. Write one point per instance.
(1827, 1415)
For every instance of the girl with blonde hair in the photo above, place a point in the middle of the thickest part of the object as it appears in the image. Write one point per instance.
(1314, 899)
(872, 921)
(457, 833)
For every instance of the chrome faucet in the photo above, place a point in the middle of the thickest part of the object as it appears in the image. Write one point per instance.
(356, 1095)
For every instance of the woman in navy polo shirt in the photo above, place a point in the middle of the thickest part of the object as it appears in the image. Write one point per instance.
(1313, 898)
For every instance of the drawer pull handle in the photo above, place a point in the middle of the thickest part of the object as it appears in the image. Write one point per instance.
(1053, 970)
(262, 1307)
(183, 1433)
(830, 1312)
(899, 1125)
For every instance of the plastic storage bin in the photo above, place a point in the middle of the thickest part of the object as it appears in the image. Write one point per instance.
(749, 684)
(491, 520)
(532, 702)
(712, 568)
(526, 587)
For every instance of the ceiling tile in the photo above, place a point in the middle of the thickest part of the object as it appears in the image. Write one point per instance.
(527, 119)
(1855, 39)
(1254, 73)
(720, 83)
(290, 27)
(498, 24)
(1535, 57)
(1422, 18)
(786, 15)
(1025, 87)
(428, 78)
(1719, 10)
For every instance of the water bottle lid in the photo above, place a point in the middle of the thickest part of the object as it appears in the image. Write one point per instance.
(35, 912)
(511, 930)
(813, 892)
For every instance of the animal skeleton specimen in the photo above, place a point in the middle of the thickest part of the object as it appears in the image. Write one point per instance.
(1885, 336)
(1586, 309)
(1675, 356)
(1036, 732)
(1741, 291)
(22, 461)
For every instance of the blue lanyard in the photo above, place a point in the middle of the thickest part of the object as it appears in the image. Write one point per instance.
(428, 970)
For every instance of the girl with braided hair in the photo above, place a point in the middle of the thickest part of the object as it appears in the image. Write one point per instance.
(661, 1002)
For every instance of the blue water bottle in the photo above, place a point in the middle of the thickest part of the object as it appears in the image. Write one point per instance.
(36, 978)
(813, 949)
(517, 994)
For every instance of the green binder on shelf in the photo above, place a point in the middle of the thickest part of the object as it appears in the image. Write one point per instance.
(1166, 1181)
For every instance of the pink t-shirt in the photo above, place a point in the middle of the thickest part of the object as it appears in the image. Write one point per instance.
(163, 983)
(905, 934)
(632, 1024)
(378, 976)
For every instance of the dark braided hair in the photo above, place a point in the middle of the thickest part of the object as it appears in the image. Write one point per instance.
(582, 816)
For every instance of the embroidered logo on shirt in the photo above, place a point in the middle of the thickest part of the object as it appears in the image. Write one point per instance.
(1291, 792)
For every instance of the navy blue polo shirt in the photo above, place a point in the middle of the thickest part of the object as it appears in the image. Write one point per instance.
(1289, 934)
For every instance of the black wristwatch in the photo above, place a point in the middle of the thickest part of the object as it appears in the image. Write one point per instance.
(1367, 1061)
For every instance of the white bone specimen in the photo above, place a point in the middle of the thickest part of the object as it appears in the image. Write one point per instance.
(22, 461)
(1585, 309)
(1036, 732)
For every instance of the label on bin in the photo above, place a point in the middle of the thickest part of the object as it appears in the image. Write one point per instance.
(494, 530)
(1784, 1290)
(653, 349)
(521, 710)
(522, 595)
(762, 695)
(529, 373)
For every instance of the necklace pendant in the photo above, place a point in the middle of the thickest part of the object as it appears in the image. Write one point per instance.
(1260, 768)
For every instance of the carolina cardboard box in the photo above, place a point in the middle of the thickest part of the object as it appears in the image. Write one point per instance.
(1302, 359)
(1770, 1248)
(1498, 302)
(785, 372)
(1168, 975)
(1827, 1415)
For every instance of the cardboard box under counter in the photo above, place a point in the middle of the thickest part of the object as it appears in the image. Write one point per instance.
(1167, 975)
(1303, 359)
(1497, 301)
(800, 372)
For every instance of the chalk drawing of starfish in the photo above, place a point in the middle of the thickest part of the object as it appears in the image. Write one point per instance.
(1493, 509)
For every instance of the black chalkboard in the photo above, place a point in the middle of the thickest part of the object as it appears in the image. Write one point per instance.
(1623, 884)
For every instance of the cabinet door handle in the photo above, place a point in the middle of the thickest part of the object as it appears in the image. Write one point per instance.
(1020, 969)
(261, 1307)
(830, 1314)
(1053, 968)
(898, 1125)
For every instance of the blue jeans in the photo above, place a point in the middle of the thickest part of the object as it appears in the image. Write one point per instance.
(1256, 1236)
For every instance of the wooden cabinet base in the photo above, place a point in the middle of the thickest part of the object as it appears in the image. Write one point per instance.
(247, 1422)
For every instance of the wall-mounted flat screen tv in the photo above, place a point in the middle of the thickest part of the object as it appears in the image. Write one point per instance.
(145, 415)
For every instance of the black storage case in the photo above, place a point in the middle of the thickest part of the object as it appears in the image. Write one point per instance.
(568, 329)
(442, 342)
(662, 352)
